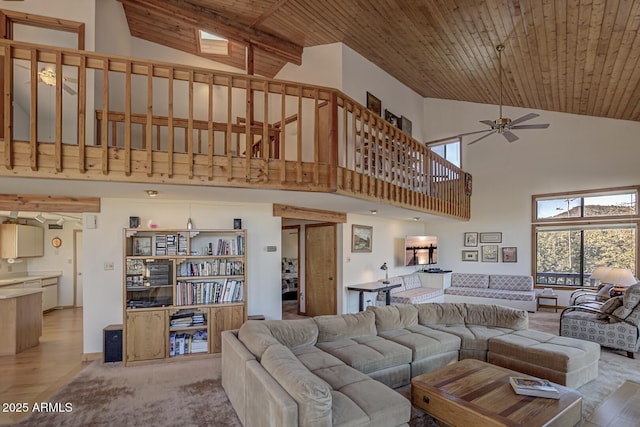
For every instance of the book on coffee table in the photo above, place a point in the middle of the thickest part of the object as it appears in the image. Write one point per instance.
(534, 387)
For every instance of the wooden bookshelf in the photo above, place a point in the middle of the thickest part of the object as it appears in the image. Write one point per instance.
(181, 289)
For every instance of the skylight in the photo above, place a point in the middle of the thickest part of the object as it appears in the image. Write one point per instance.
(213, 44)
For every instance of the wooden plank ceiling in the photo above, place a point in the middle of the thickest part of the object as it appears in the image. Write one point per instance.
(573, 56)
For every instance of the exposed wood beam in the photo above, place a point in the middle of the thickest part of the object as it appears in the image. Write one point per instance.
(295, 212)
(38, 203)
(210, 21)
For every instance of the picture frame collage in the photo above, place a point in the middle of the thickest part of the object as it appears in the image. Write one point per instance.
(401, 122)
(490, 251)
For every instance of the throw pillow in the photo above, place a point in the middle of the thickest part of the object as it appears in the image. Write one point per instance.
(603, 293)
(609, 307)
(630, 299)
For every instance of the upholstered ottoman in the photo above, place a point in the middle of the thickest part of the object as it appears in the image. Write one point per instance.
(567, 361)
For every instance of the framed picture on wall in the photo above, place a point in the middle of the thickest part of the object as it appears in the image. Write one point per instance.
(470, 256)
(391, 118)
(141, 246)
(374, 104)
(490, 253)
(406, 126)
(509, 254)
(470, 239)
(491, 237)
(361, 238)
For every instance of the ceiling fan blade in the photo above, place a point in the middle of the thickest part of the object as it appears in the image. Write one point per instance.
(523, 118)
(538, 126)
(482, 137)
(474, 132)
(70, 79)
(488, 123)
(69, 89)
(511, 137)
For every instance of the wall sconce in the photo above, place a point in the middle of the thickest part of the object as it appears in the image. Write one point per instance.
(385, 267)
(40, 218)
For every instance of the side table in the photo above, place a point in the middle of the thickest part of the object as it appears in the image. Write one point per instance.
(553, 297)
(373, 287)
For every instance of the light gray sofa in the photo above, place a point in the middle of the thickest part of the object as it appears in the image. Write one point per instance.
(341, 370)
(504, 289)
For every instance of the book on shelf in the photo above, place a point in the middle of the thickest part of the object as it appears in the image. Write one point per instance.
(536, 387)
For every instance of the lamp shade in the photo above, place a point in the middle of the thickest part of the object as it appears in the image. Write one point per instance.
(600, 273)
(620, 277)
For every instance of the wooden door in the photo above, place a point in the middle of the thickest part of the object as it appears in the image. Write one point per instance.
(223, 319)
(321, 269)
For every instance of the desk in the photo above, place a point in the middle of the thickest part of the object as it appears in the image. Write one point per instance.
(373, 287)
(553, 297)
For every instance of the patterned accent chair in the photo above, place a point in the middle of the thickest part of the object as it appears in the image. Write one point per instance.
(615, 324)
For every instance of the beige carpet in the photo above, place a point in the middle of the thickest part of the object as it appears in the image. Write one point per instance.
(189, 393)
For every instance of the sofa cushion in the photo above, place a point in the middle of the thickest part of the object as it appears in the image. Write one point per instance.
(312, 394)
(492, 293)
(368, 353)
(469, 280)
(511, 282)
(435, 313)
(395, 281)
(342, 326)
(257, 335)
(496, 315)
(384, 406)
(416, 295)
(424, 342)
(473, 337)
(609, 307)
(630, 300)
(411, 281)
(394, 316)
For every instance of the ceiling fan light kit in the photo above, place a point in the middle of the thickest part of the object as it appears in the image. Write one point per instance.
(504, 125)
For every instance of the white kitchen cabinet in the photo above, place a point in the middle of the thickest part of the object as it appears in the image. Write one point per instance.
(21, 241)
(49, 293)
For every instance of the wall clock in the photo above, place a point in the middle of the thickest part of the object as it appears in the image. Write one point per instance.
(56, 242)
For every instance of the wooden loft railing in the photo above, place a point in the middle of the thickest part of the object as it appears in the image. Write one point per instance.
(169, 123)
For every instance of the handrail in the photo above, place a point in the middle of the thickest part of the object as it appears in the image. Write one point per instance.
(157, 121)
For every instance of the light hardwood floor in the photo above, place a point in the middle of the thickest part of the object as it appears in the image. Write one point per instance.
(35, 374)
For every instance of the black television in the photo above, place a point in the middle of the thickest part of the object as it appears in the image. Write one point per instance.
(420, 250)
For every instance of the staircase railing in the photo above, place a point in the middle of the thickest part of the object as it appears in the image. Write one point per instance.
(170, 123)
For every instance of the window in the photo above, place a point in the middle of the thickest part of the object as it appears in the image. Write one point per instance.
(212, 44)
(448, 150)
(589, 230)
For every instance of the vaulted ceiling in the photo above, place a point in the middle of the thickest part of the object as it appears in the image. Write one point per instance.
(574, 56)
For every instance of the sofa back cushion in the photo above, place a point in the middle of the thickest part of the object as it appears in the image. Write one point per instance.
(510, 282)
(411, 281)
(630, 301)
(343, 326)
(469, 280)
(258, 335)
(496, 316)
(397, 316)
(312, 394)
(441, 313)
(397, 280)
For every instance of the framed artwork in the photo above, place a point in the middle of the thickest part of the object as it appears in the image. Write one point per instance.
(490, 253)
(391, 118)
(509, 254)
(491, 237)
(468, 184)
(470, 256)
(374, 104)
(470, 239)
(361, 238)
(141, 246)
(406, 125)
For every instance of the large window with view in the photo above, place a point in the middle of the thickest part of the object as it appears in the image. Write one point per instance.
(574, 233)
(448, 150)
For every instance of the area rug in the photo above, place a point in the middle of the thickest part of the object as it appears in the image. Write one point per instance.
(189, 392)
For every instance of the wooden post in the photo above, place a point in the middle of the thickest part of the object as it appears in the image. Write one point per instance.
(59, 83)
(105, 117)
(149, 122)
(210, 139)
(82, 113)
(33, 128)
(127, 120)
(333, 142)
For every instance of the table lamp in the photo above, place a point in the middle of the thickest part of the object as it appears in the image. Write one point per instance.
(386, 273)
(599, 273)
(620, 278)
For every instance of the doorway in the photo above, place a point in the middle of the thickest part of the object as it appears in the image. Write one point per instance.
(77, 268)
(290, 271)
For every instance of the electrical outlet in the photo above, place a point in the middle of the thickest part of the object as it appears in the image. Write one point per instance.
(108, 265)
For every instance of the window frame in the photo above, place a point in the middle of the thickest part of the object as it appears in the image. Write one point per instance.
(446, 142)
(577, 222)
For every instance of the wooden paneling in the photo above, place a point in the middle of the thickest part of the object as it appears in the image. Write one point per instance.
(146, 335)
(295, 212)
(568, 56)
(40, 203)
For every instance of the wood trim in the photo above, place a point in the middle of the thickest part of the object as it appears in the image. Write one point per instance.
(9, 17)
(38, 203)
(295, 212)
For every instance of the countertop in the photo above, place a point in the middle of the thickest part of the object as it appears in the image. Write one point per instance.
(15, 293)
(5, 281)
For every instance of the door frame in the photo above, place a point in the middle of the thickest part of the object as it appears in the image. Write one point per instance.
(296, 227)
(76, 269)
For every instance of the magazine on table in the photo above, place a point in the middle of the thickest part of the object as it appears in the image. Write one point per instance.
(534, 387)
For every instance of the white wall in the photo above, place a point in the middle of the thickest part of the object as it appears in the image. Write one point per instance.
(388, 246)
(321, 65)
(574, 153)
(103, 302)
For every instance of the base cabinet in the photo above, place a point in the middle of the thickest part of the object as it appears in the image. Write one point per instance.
(146, 335)
(223, 319)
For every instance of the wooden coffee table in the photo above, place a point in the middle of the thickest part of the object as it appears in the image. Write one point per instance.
(475, 393)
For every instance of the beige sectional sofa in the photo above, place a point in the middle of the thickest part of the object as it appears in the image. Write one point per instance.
(341, 370)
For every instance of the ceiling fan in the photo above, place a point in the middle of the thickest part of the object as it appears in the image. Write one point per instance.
(504, 125)
(48, 77)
